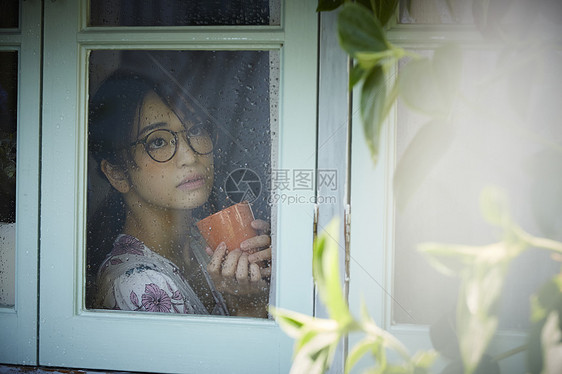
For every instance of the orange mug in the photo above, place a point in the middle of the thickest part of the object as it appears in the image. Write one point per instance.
(231, 226)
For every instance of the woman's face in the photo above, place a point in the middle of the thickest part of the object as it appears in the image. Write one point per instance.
(183, 182)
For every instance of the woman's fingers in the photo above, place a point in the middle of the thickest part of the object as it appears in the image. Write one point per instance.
(260, 256)
(255, 243)
(231, 263)
(242, 268)
(215, 263)
(260, 225)
(265, 272)
(237, 272)
(255, 274)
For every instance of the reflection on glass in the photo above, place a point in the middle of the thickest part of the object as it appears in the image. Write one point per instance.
(436, 12)
(184, 13)
(9, 16)
(438, 199)
(8, 136)
(169, 132)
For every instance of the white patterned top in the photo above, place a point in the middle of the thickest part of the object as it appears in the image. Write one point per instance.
(133, 277)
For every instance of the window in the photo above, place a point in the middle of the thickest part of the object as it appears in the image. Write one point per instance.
(256, 86)
(224, 96)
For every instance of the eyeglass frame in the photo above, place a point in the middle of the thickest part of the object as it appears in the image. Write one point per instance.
(144, 139)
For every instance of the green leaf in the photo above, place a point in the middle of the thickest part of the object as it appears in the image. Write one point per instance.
(366, 345)
(544, 303)
(453, 258)
(494, 206)
(552, 347)
(359, 31)
(328, 5)
(369, 59)
(317, 354)
(422, 154)
(477, 309)
(306, 338)
(385, 10)
(304, 363)
(475, 333)
(373, 99)
(291, 322)
(355, 75)
(367, 4)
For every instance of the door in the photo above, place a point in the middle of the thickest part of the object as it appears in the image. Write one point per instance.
(426, 185)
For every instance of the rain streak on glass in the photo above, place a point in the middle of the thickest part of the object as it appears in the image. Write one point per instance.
(8, 136)
(167, 131)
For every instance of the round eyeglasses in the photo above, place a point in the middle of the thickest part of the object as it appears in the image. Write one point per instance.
(162, 144)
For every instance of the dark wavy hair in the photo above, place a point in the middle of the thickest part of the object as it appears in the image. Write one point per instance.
(113, 122)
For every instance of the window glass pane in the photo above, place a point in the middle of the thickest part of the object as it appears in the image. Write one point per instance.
(436, 12)
(518, 151)
(184, 13)
(9, 16)
(175, 136)
(8, 136)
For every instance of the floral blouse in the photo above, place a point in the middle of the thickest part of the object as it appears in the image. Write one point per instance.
(133, 277)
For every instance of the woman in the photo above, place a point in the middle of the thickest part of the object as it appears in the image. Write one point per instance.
(157, 154)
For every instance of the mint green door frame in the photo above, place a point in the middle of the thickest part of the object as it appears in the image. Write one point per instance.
(18, 325)
(73, 337)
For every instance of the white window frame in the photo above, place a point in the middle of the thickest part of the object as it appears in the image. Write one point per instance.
(18, 325)
(73, 337)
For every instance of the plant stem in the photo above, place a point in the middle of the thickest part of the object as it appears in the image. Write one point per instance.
(511, 352)
(534, 241)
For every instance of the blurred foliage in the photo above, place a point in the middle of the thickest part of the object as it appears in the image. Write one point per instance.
(431, 85)
(482, 270)
(317, 338)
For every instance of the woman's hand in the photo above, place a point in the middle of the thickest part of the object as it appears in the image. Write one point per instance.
(239, 274)
(252, 261)
(259, 248)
